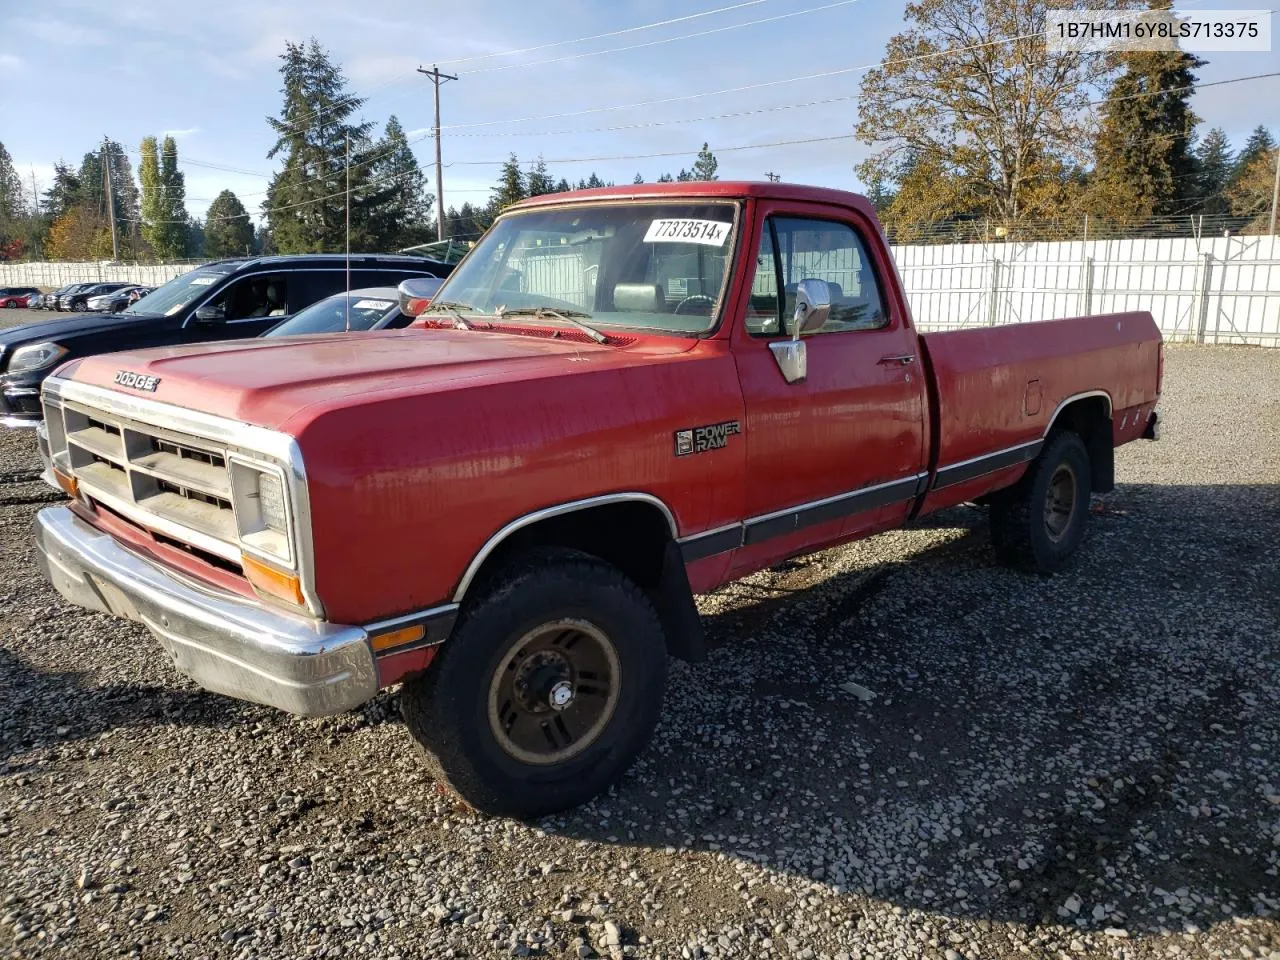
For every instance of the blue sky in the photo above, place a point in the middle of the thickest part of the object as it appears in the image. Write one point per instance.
(74, 70)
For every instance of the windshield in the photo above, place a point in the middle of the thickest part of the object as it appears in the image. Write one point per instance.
(329, 316)
(176, 294)
(659, 267)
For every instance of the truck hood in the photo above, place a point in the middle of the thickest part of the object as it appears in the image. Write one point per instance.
(282, 383)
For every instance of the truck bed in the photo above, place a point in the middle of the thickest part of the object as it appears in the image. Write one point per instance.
(994, 392)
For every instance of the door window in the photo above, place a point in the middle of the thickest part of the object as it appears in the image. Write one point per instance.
(764, 308)
(816, 250)
(254, 298)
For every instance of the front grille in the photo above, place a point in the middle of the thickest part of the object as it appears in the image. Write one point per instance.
(181, 482)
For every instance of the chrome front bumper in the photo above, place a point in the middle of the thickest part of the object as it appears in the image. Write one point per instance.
(224, 642)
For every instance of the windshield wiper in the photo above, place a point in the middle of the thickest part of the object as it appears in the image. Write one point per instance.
(567, 316)
(452, 308)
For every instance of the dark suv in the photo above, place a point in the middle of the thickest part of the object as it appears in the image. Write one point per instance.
(225, 300)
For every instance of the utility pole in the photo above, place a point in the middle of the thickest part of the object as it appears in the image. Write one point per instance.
(773, 177)
(111, 200)
(35, 194)
(438, 78)
(1275, 193)
(346, 300)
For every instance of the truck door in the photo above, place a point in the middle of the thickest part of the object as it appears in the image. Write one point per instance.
(838, 454)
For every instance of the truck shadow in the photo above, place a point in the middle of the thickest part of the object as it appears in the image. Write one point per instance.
(1091, 749)
(44, 709)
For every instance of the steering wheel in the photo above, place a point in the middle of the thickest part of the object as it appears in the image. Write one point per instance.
(698, 298)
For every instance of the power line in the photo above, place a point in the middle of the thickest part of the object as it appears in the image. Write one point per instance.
(353, 98)
(605, 36)
(842, 71)
(655, 43)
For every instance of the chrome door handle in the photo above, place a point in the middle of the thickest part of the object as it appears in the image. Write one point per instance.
(902, 358)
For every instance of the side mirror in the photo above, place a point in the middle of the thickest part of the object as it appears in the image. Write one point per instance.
(813, 306)
(416, 294)
(210, 313)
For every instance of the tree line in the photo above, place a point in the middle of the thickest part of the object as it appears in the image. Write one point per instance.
(515, 184)
(1006, 132)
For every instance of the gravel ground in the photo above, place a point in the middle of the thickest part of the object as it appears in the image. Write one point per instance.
(895, 750)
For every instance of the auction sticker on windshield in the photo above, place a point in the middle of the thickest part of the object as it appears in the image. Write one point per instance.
(372, 305)
(203, 281)
(712, 233)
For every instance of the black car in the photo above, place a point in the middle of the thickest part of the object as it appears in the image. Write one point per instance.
(225, 300)
(62, 297)
(78, 302)
(50, 300)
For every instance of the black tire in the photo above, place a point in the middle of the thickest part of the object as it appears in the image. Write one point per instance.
(455, 708)
(12, 305)
(79, 307)
(1030, 529)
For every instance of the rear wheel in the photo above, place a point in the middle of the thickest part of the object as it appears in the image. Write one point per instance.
(549, 687)
(1040, 523)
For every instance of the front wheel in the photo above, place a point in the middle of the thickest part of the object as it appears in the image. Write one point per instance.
(1040, 523)
(548, 689)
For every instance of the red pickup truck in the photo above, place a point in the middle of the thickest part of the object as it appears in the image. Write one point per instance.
(620, 398)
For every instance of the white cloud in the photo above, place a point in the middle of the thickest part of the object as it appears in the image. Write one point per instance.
(179, 134)
(9, 62)
(59, 33)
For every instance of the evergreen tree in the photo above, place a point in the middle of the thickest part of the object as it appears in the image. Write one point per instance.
(539, 180)
(562, 186)
(1252, 192)
(195, 238)
(65, 193)
(14, 222)
(1145, 166)
(228, 231)
(638, 179)
(171, 239)
(591, 182)
(306, 199)
(1259, 144)
(685, 176)
(404, 219)
(165, 221)
(666, 178)
(12, 203)
(1214, 167)
(704, 168)
(124, 189)
(149, 176)
(511, 186)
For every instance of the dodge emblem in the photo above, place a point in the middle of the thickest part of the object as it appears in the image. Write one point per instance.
(138, 381)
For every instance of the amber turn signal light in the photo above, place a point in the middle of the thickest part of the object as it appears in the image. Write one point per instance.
(70, 485)
(397, 638)
(267, 579)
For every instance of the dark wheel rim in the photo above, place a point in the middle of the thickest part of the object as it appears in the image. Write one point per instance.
(554, 692)
(1060, 502)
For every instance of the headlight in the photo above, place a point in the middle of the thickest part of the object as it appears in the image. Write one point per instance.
(36, 356)
(262, 510)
